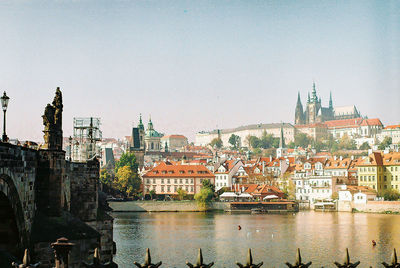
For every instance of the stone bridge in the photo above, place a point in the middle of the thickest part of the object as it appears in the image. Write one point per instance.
(43, 197)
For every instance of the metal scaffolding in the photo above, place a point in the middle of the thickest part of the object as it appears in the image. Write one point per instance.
(86, 133)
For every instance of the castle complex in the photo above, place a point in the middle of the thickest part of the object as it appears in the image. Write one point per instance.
(315, 113)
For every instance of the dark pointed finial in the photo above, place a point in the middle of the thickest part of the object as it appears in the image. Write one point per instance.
(199, 263)
(298, 263)
(347, 263)
(394, 263)
(147, 261)
(249, 262)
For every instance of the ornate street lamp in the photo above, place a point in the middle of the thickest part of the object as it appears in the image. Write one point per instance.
(4, 104)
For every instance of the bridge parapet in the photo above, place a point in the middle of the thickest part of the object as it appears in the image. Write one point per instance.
(18, 167)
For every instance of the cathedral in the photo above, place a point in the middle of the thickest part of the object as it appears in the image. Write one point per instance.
(315, 113)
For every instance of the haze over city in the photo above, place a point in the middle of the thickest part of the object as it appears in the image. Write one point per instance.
(195, 66)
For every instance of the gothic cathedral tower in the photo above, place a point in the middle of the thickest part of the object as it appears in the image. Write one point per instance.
(299, 114)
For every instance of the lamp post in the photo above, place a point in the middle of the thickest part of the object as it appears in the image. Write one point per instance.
(4, 104)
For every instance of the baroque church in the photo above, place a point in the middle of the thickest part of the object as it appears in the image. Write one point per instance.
(315, 113)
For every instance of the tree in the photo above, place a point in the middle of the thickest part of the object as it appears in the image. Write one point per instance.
(105, 177)
(127, 180)
(127, 159)
(387, 141)
(216, 142)
(234, 140)
(152, 193)
(204, 197)
(346, 143)
(208, 184)
(390, 194)
(291, 145)
(254, 142)
(302, 140)
(365, 146)
(181, 193)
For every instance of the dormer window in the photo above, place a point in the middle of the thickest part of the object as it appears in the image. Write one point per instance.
(190, 172)
(164, 172)
(181, 171)
(171, 172)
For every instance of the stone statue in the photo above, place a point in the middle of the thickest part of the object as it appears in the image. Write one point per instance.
(52, 121)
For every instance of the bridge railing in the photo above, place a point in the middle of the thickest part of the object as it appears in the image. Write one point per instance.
(62, 248)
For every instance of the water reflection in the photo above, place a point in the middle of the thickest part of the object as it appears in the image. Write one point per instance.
(323, 237)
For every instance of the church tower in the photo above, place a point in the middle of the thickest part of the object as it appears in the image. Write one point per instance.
(299, 114)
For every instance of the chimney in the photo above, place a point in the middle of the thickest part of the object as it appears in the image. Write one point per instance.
(341, 157)
(334, 157)
(352, 157)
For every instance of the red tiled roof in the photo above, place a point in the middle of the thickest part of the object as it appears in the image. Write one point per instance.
(371, 122)
(392, 127)
(190, 171)
(344, 123)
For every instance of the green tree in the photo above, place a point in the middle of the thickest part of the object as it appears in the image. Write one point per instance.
(127, 159)
(254, 142)
(302, 140)
(204, 197)
(127, 180)
(291, 145)
(152, 193)
(365, 146)
(181, 193)
(234, 140)
(390, 194)
(385, 143)
(105, 177)
(216, 142)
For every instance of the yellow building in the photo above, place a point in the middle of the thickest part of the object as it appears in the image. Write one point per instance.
(380, 171)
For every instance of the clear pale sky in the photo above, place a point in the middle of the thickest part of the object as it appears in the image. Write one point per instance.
(195, 65)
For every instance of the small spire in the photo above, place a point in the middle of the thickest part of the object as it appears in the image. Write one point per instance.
(330, 100)
(314, 93)
(308, 98)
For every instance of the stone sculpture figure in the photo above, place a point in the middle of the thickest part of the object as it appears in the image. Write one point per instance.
(52, 121)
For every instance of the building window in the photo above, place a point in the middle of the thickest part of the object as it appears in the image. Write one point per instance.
(191, 189)
(162, 180)
(180, 181)
(168, 181)
(168, 188)
(148, 181)
(162, 188)
(175, 181)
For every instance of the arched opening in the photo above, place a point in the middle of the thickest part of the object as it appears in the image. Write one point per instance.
(9, 235)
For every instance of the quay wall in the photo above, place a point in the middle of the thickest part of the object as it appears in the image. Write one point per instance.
(163, 206)
(370, 206)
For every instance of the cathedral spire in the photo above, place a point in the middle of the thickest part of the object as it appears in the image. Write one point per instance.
(330, 100)
(314, 94)
(308, 98)
(282, 139)
(298, 98)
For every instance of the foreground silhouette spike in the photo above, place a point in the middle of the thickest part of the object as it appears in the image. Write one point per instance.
(394, 263)
(25, 261)
(199, 263)
(298, 263)
(97, 263)
(249, 263)
(347, 263)
(147, 261)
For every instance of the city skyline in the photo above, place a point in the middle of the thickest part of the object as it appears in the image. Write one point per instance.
(195, 66)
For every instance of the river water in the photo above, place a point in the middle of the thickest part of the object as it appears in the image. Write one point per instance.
(174, 238)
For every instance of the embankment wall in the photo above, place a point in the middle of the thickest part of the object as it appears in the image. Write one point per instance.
(370, 206)
(162, 206)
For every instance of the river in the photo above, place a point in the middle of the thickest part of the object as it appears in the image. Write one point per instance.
(174, 238)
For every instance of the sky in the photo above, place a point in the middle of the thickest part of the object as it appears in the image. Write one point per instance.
(195, 65)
